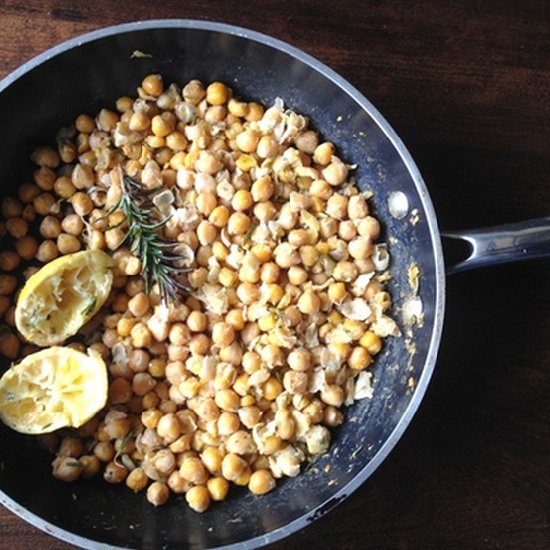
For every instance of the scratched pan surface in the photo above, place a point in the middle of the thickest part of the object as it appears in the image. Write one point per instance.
(90, 72)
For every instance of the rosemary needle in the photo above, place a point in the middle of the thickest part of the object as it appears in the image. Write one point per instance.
(158, 261)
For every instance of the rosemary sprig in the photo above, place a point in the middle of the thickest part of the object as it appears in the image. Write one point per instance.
(158, 261)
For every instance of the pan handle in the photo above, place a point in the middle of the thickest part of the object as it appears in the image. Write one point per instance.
(500, 244)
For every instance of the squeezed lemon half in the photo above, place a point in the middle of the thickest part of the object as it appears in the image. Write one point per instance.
(54, 388)
(62, 296)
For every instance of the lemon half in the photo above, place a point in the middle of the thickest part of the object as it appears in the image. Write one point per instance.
(54, 388)
(63, 295)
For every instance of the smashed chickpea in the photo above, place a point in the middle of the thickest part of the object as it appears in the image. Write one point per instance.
(239, 381)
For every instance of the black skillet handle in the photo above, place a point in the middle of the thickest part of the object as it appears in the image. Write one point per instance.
(496, 245)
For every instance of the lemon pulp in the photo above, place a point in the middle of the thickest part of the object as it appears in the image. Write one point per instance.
(62, 296)
(54, 388)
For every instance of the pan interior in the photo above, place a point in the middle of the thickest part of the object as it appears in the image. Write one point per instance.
(90, 75)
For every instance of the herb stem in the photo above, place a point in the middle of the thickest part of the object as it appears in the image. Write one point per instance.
(158, 261)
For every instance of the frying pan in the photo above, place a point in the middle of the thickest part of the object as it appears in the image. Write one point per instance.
(90, 72)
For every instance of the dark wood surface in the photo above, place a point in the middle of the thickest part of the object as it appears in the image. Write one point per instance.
(467, 86)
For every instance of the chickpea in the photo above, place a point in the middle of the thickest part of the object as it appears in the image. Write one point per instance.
(164, 124)
(227, 400)
(265, 211)
(44, 178)
(206, 233)
(295, 382)
(267, 147)
(297, 275)
(238, 223)
(336, 172)
(300, 359)
(332, 417)
(347, 230)
(235, 319)
(309, 302)
(46, 156)
(106, 120)
(141, 336)
(153, 85)
(90, 466)
(286, 425)
(64, 188)
(337, 207)
(333, 395)
(233, 466)
(371, 342)
(198, 498)
(82, 176)
(219, 216)
(27, 192)
(345, 271)
(137, 480)
(357, 208)
(9, 345)
(84, 123)
(218, 487)
(228, 423)
(298, 237)
(323, 153)
(9, 316)
(232, 354)
(270, 272)
(44, 204)
(193, 92)
(143, 383)
(242, 200)
(72, 224)
(247, 141)
(361, 248)
(8, 284)
(120, 391)
(199, 344)
(67, 244)
(17, 227)
(158, 493)
(251, 362)
(96, 240)
(250, 415)
(286, 256)
(82, 203)
(29, 213)
(47, 251)
(217, 93)
(104, 451)
(4, 300)
(248, 293)
(309, 255)
(369, 227)
(169, 427)
(212, 459)
(9, 260)
(192, 469)
(271, 388)
(197, 321)
(359, 358)
(261, 482)
(11, 207)
(222, 334)
(272, 355)
(66, 468)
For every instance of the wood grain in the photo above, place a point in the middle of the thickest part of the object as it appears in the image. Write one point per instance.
(466, 85)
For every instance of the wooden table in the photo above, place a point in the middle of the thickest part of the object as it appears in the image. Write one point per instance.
(467, 86)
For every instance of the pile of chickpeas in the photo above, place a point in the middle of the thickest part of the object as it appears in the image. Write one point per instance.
(240, 380)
